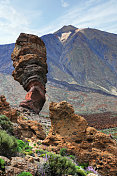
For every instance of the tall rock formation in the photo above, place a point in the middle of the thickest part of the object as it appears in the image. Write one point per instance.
(71, 131)
(29, 61)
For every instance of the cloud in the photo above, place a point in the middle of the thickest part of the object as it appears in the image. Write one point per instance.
(64, 4)
(97, 14)
(13, 22)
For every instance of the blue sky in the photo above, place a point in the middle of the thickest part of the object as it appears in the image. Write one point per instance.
(41, 17)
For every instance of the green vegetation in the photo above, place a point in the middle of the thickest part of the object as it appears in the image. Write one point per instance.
(6, 124)
(58, 165)
(63, 152)
(8, 144)
(23, 147)
(72, 157)
(55, 164)
(80, 171)
(83, 165)
(41, 152)
(2, 164)
(25, 174)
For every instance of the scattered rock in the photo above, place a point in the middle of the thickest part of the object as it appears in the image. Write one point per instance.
(18, 165)
(29, 60)
(71, 131)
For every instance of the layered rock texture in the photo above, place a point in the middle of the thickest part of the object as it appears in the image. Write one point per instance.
(29, 60)
(71, 131)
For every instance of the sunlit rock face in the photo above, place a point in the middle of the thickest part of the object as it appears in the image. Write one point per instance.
(72, 132)
(29, 61)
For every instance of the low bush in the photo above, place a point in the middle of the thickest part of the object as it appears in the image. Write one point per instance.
(23, 147)
(57, 165)
(8, 144)
(80, 171)
(63, 152)
(25, 174)
(41, 152)
(83, 165)
(72, 157)
(21, 144)
(6, 124)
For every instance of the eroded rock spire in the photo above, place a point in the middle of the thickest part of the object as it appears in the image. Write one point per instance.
(29, 61)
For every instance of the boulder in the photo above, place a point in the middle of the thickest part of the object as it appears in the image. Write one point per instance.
(29, 61)
(71, 131)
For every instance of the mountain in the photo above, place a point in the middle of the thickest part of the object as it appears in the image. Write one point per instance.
(78, 60)
(83, 59)
(81, 70)
(6, 65)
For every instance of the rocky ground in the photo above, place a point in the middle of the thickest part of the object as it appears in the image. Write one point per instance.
(63, 129)
(97, 108)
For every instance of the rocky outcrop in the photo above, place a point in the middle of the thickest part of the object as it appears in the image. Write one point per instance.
(23, 128)
(28, 129)
(5, 109)
(29, 60)
(71, 131)
(16, 165)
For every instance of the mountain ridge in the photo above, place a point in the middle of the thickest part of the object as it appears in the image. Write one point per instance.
(85, 57)
(90, 50)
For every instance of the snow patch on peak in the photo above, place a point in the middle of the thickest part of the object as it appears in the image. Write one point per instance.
(77, 30)
(64, 36)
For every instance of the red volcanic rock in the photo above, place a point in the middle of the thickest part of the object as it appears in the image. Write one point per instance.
(7, 110)
(29, 60)
(71, 131)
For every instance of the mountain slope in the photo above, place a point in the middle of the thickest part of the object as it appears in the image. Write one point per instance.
(6, 65)
(78, 59)
(88, 57)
